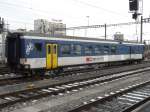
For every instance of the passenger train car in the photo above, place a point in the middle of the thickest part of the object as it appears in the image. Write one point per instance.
(31, 52)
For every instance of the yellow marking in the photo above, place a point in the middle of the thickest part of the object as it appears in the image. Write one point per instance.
(48, 56)
(51, 56)
(54, 56)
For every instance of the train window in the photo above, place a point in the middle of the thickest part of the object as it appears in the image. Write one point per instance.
(97, 50)
(113, 49)
(77, 49)
(133, 50)
(65, 49)
(136, 49)
(38, 47)
(140, 49)
(88, 50)
(106, 49)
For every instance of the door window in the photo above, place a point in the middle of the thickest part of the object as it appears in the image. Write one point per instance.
(55, 49)
(49, 49)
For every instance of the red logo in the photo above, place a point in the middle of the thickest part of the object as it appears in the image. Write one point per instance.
(88, 59)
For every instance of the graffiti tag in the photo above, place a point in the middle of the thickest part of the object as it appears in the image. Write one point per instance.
(29, 48)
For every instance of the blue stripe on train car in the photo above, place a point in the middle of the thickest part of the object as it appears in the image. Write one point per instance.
(28, 49)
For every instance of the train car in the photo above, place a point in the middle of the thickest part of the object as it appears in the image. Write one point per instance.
(34, 52)
(147, 52)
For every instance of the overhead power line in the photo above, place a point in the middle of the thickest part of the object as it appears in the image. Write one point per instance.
(101, 8)
(16, 5)
(146, 20)
(30, 8)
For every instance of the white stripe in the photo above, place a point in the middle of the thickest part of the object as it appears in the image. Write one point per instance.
(63, 61)
(130, 43)
(34, 62)
(136, 56)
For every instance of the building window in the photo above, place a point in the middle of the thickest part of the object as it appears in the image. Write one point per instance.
(77, 49)
(65, 49)
(88, 50)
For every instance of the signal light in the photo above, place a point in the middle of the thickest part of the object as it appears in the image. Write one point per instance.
(134, 16)
(133, 5)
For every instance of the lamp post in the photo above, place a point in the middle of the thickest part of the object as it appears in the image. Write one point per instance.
(88, 23)
(141, 35)
(88, 20)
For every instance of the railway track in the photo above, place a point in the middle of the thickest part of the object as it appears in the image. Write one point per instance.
(8, 78)
(36, 93)
(124, 100)
(4, 69)
(12, 78)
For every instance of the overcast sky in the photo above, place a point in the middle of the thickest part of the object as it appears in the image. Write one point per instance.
(21, 13)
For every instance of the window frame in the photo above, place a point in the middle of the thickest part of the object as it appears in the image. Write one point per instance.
(73, 50)
(113, 53)
(91, 51)
(69, 46)
(106, 49)
(37, 47)
(99, 49)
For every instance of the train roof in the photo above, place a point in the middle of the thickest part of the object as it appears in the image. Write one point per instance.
(40, 36)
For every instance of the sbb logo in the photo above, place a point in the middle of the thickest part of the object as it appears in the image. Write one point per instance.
(89, 59)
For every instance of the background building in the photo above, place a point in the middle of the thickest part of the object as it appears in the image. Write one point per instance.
(56, 27)
(119, 36)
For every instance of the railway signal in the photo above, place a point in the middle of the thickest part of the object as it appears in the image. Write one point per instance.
(134, 16)
(1, 24)
(134, 5)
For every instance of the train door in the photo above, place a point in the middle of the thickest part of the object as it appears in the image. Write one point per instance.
(51, 56)
(13, 49)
